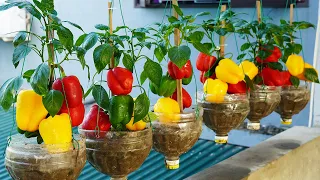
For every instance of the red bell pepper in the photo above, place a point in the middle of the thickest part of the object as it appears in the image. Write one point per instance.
(203, 78)
(120, 81)
(90, 121)
(241, 87)
(205, 62)
(176, 73)
(273, 77)
(76, 114)
(186, 98)
(71, 89)
(274, 57)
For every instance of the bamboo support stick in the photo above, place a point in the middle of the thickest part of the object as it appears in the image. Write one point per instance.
(222, 39)
(177, 43)
(291, 13)
(110, 31)
(258, 3)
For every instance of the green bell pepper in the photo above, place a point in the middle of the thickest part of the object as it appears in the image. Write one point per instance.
(120, 111)
(187, 81)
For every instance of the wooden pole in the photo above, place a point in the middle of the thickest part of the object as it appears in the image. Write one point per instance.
(222, 39)
(110, 31)
(291, 13)
(177, 43)
(258, 3)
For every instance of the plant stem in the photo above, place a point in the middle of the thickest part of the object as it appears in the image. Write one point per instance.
(50, 47)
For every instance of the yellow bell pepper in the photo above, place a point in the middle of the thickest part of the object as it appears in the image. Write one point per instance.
(169, 109)
(229, 72)
(295, 64)
(215, 90)
(30, 110)
(249, 69)
(138, 126)
(56, 131)
(301, 76)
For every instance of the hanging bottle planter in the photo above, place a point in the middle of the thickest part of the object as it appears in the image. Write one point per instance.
(263, 101)
(26, 159)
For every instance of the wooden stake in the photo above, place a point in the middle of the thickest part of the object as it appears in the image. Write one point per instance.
(110, 31)
(258, 3)
(291, 14)
(222, 39)
(177, 43)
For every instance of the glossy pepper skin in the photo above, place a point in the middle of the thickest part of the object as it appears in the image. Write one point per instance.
(229, 72)
(186, 98)
(249, 69)
(306, 66)
(76, 114)
(56, 130)
(138, 126)
(295, 64)
(176, 73)
(274, 57)
(29, 110)
(90, 121)
(203, 78)
(120, 110)
(241, 87)
(215, 90)
(169, 109)
(166, 89)
(71, 89)
(187, 81)
(273, 77)
(120, 81)
(205, 62)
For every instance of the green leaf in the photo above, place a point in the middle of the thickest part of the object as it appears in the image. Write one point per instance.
(172, 19)
(311, 75)
(32, 10)
(143, 77)
(297, 48)
(80, 54)
(305, 25)
(178, 10)
(7, 92)
(245, 46)
(52, 101)
(275, 65)
(27, 75)
(179, 55)
(90, 40)
(282, 21)
(86, 94)
(295, 81)
(40, 5)
(257, 80)
(101, 56)
(20, 38)
(203, 47)
(102, 27)
(222, 31)
(241, 56)
(74, 25)
(141, 107)
(196, 36)
(128, 62)
(19, 53)
(81, 39)
(278, 40)
(101, 96)
(40, 79)
(202, 14)
(249, 82)
(65, 37)
(153, 71)
(160, 52)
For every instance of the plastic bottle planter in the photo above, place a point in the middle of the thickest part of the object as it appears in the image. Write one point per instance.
(117, 153)
(293, 100)
(175, 134)
(263, 101)
(25, 159)
(224, 116)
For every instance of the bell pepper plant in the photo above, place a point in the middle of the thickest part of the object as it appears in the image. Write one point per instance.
(118, 109)
(54, 104)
